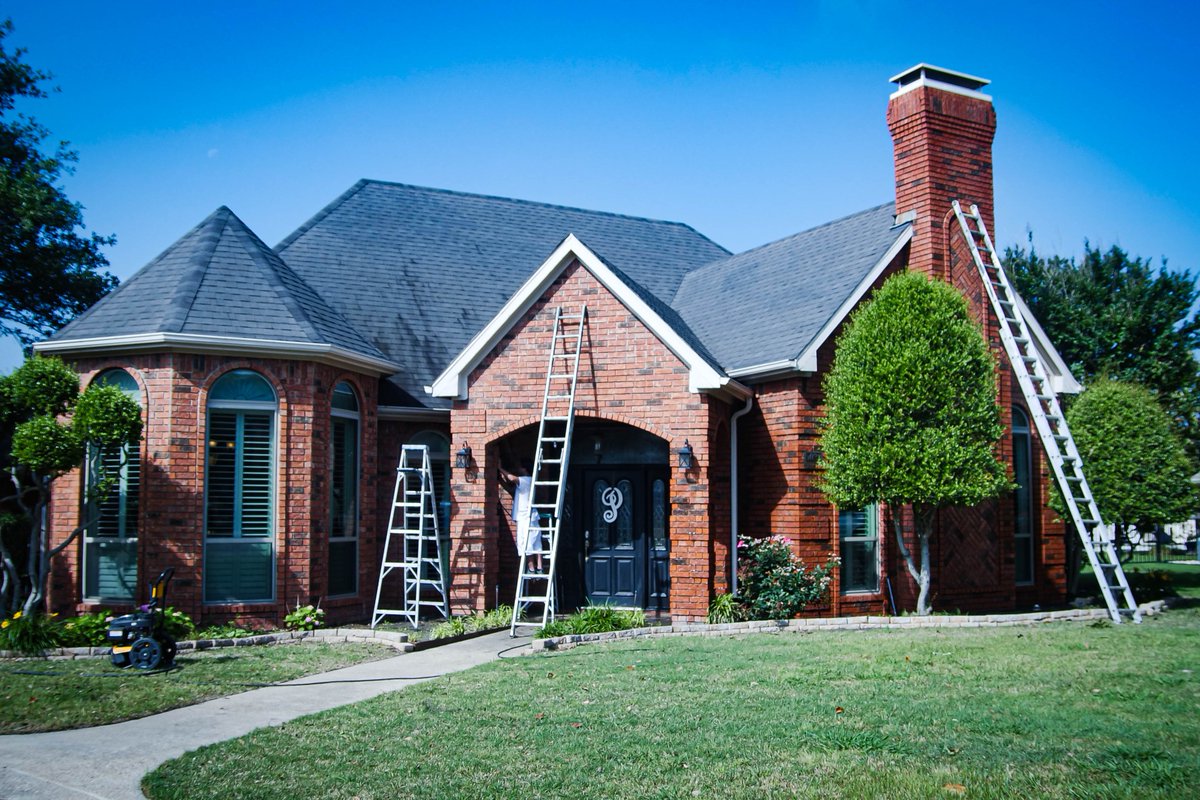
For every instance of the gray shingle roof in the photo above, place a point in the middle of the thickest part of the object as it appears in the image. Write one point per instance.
(767, 304)
(419, 271)
(219, 280)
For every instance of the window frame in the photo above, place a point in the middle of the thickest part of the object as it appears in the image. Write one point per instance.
(871, 517)
(354, 416)
(1023, 540)
(241, 408)
(131, 461)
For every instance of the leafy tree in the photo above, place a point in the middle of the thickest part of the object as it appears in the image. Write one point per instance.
(1112, 315)
(47, 426)
(49, 270)
(911, 414)
(1135, 461)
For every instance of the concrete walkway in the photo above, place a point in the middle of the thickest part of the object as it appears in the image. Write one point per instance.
(108, 762)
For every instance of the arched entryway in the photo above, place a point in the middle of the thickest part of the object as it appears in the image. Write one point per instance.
(614, 543)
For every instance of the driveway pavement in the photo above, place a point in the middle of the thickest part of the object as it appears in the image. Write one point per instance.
(108, 762)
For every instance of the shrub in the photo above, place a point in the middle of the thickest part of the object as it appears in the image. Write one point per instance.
(29, 634)
(305, 618)
(773, 582)
(725, 608)
(227, 630)
(86, 630)
(594, 619)
(499, 617)
(178, 625)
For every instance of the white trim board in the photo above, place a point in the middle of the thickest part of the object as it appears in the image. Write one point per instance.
(221, 345)
(702, 376)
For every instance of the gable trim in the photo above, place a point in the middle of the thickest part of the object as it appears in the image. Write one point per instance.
(224, 345)
(806, 361)
(702, 376)
(1061, 379)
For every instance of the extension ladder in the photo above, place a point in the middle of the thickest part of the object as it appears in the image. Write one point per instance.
(413, 545)
(1057, 442)
(550, 468)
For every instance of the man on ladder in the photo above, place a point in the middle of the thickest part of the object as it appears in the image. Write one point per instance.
(526, 518)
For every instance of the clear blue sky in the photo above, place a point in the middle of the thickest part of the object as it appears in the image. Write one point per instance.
(747, 121)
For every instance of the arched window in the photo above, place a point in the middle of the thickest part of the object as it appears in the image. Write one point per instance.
(110, 540)
(239, 504)
(439, 464)
(858, 530)
(343, 491)
(1022, 499)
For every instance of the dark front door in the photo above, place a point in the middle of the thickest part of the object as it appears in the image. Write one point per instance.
(623, 518)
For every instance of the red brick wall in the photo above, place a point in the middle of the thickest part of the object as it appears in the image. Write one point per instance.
(943, 152)
(626, 375)
(175, 388)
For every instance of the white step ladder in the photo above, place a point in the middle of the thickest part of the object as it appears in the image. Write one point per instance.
(413, 545)
(1059, 446)
(536, 591)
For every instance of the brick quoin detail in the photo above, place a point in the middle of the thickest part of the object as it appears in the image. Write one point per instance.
(626, 375)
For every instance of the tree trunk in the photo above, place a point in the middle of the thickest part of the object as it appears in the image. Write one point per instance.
(923, 516)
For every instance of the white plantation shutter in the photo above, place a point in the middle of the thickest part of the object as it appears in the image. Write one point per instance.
(239, 558)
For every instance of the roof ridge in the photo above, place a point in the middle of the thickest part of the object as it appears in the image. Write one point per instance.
(188, 287)
(480, 196)
(312, 221)
(270, 264)
(813, 229)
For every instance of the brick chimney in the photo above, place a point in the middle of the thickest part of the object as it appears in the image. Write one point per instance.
(942, 129)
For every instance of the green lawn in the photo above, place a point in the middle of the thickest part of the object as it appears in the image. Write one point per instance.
(1069, 710)
(90, 691)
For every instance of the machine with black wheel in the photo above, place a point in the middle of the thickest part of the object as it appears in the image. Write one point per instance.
(139, 640)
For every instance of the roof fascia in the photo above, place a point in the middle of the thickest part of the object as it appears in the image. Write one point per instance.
(807, 360)
(1061, 379)
(702, 376)
(221, 345)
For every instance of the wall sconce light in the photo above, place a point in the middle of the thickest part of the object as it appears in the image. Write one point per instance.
(687, 456)
(598, 448)
(462, 459)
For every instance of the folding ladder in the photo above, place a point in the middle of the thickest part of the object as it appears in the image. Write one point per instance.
(550, 468)
(413, 545)
(1051, 424)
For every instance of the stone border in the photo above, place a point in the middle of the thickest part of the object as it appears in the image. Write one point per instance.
(860, 623)
(397, 641)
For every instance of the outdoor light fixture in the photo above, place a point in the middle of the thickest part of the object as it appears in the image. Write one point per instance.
(462, 459)
(687, 456)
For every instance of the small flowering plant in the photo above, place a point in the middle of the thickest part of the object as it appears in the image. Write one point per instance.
(773, 583)
(305, 618)
(30, 634)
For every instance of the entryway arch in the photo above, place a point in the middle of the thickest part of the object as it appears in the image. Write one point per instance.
(614, 540)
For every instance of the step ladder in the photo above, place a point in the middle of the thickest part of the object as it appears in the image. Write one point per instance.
(1059, 446)
(413, 544)
(536, 591)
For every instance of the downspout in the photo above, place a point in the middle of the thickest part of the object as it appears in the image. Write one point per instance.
(733, 490)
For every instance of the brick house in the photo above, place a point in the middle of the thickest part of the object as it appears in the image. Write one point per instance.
(279, 383)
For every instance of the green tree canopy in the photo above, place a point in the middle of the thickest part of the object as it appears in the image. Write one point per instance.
(1134, 460)
(911, 414)
(46, 428)
(50, 270)
(1113, 315)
